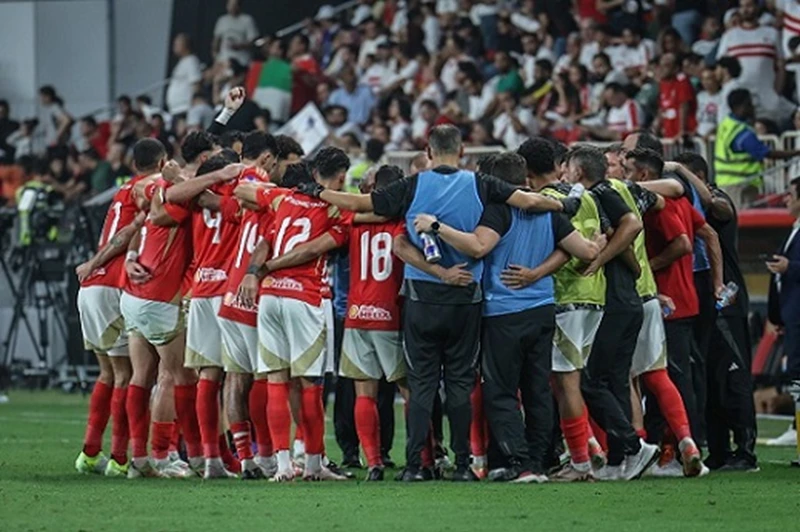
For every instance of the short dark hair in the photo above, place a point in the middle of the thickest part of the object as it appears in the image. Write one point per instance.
(649, 141)
(603, 57)
(731, 64)
(229, 138)
(303, 39)
(145, 99)
(286, 146)
(695, 163)
(147, 153)
(374, 150)
(212, 164)
(229, 155)
(256, 143)
(614, 87)
(4, 103)
(510, 167)
(89, 120)
(739, 97)
(404, 106)
(545, 64)
(485, 163)
(613, 148)
(647, 158)
(591, 160)
(329, 161)
(296, 174)
(387, 174)
(49, 91)
(539, 156)
(196, 143)
(335, 107)
(444, 140)
(124, 99)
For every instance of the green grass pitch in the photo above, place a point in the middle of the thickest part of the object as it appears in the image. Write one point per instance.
(41, 434)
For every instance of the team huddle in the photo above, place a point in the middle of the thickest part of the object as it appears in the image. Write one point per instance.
(546, 293)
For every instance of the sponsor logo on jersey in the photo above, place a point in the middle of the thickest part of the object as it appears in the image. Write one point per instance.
(285, 283)
(209, 275)
(369, 313)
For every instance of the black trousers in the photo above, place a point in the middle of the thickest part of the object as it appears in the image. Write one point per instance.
(702, 332)
(440, 339)
(730, 405)
(679, 367)
(791, 347)
(517, 356)
(605, 380)
(344, 423)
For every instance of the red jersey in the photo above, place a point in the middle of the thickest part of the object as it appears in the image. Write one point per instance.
(121, 212)
(376, 276)
(676, 280)
(165, 252)
(252, 229)
(300, 219)
(672, 93)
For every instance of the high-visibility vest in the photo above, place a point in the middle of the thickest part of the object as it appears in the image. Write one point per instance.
(730, 167)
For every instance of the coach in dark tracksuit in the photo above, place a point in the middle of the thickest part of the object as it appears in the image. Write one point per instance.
(518, 322)
(441, 323)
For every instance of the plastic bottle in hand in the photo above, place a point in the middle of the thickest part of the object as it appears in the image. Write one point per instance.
(430, 248)
(728, 295)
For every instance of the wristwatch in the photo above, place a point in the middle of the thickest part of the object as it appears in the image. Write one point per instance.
(435, 226)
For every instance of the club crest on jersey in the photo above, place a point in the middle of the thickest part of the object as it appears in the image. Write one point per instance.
(369, 313)
(282, 284)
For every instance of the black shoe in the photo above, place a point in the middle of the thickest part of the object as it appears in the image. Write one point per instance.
(388, 463)
(715, 462)
(464, 474)
(411, 474)
(253, 474)
(740, 464)
(375, 473)
(352, 461)
(339, 471)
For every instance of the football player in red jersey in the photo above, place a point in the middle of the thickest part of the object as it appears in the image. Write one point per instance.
(291, 319)
(372, 346)
(101, 279)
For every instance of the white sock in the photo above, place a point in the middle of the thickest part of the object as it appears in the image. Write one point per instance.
(140, 462)
(583, 467)
(214, 462)
(684, 443)
(284, 461)
(313, 463)
(299, 447)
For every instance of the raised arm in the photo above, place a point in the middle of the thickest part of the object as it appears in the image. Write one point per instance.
(189, 189)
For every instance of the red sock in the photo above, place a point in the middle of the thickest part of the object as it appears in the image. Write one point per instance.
(119, 426)
(258, 417)
(137, 407)
(669, 401)
(208, 416)
(161, 435)
(597, 432)
(477, 434)
(313, 420)
(279, 415)
(230, 461)
(99, 412)
(299, 432)
(175, 440)
(368, 428)
(577, 436)
(242, 440)
(186, 411)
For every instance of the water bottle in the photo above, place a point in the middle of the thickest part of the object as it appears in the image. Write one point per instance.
(430, 248)
(727, 295)
(576, 191)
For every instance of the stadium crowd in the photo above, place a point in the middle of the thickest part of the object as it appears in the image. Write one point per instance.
(549, 292)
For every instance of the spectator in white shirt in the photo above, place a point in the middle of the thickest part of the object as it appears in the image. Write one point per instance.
(728, 71)
(400, 122)
(624, 115)
(377, 74)
(708, 103)
(709, 37)
(596, 39)
(572, 56)
(56, 121)
(234, 34)
(452, 54)
(514, 124)
(372, 39)
(430, 25)
(532, 51)
(185, 78)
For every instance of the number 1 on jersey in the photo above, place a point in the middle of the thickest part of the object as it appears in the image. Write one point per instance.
(376, 256)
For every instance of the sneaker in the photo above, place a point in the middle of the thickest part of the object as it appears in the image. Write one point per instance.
(254, 473)
(691, 458)
(352, 462)
(215, 469)
(388, 463)
(443, 463)
(176, 469)
(375, 473)
(464, 474)
(787, 439)
(570, 473)
(597, 455)
(323, 474)
(669, 469)
(336, 469)
(497, 474)
(740, 464)
(86, 464)
(115, 469)
(608, 473)
(516, 474)
(412, 474)
(145, 469)
(636, 464)
(268, 465)
(283, 475)
(198, 465)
